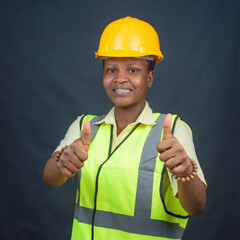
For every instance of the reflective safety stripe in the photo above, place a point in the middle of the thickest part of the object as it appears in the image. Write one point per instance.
(146, 171)
(129, 224)
(141, 222)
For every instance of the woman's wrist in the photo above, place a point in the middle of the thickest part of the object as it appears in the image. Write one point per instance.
(191, 175)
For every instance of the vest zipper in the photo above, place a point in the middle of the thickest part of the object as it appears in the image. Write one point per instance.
(98, 172)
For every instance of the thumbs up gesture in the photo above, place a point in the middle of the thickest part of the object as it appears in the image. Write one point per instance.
(72, 158)
(172, 153)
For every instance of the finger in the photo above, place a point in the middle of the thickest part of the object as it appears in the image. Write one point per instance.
(182, 169)
(75, 155)
(164, 146)
(166, 155)
(70, 161)
(71, 167)
(86, 137)
(64, 170)
(80, 152)
(167, 133)
(172, 163)
(161, 146)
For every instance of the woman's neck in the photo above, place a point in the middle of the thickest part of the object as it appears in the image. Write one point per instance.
(126, 116)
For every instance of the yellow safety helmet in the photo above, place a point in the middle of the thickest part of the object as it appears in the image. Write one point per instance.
(129, 37)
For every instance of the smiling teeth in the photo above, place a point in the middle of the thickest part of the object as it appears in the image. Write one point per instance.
(122, 90)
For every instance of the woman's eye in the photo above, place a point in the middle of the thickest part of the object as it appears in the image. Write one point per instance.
(111, 70)
(132, 70)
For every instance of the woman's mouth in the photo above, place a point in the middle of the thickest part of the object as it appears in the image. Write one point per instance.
(123, 90)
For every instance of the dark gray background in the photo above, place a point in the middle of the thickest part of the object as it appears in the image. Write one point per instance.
(49, 76)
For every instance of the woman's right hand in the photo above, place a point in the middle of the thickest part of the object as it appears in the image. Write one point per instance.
(71, 158)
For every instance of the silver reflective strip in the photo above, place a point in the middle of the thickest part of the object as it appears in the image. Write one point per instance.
(146, 171)
(129, 224)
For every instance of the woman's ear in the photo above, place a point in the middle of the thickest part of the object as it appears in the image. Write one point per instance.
(150, 78)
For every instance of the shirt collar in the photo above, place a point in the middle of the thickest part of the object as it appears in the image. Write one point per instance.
(145, 117)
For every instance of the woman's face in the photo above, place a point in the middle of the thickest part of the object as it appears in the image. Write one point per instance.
(126, 81)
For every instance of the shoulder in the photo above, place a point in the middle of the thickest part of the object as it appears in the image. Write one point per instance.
(76, 122)
(182, 128)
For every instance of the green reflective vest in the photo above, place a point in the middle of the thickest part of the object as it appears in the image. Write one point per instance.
(125, 193)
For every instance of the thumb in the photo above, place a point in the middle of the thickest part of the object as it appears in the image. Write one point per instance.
(167, 133)
(86, 136)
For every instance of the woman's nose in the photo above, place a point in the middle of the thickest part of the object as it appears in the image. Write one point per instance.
(121, 77)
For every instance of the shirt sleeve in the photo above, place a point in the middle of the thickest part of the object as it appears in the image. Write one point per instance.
(72, 134)
(184, 135)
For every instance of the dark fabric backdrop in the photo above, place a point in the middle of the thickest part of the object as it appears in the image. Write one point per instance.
(49, 76)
